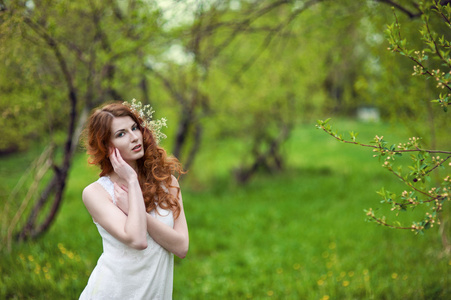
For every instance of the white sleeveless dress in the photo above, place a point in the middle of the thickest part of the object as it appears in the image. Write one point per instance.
(126, 273)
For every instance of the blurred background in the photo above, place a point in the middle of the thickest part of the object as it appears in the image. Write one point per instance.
(275, 207)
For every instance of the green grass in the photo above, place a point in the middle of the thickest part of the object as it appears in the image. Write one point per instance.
(300, 234)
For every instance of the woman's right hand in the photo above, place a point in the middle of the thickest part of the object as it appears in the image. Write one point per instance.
(121, 195)
(121, 167)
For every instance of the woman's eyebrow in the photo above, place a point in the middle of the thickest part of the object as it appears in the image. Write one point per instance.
(119, 130)
(133, 125)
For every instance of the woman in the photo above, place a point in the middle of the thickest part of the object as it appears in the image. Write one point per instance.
(136, 205)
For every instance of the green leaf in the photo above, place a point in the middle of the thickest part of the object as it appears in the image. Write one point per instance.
(381, 192)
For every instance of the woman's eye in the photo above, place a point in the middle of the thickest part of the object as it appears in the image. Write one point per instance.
(121, 134)
(135, 128)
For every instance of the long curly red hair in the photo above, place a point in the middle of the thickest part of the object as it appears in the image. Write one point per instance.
(154, 168)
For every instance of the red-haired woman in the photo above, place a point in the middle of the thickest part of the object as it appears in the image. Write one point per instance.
(136, 205)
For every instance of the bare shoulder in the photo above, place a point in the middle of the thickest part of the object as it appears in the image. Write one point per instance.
(89, 191)
(96, 199)
(174, 182)
(94, 191)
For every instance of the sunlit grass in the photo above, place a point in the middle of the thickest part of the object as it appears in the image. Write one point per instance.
(300, 234)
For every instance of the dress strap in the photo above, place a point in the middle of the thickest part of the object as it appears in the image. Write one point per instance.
(108, 185)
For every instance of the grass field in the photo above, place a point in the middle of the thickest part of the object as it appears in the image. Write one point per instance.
(300, 234)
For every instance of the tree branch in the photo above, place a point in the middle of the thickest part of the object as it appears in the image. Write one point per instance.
(406, 11)
(401, 8)
(379, 147)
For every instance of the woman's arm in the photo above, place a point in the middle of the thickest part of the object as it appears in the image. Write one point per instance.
(129, 229)
(175, 240)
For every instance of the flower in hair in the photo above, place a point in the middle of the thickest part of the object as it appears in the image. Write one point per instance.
(146, 112)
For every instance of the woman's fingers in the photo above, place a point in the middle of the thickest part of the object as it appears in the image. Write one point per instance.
(113, 158)
(116, 158)
(116, 187)
(120, 166)
(119, 191)
(121, 198)
(119, 157)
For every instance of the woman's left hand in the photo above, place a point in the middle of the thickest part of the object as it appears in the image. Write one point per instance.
(121, 195)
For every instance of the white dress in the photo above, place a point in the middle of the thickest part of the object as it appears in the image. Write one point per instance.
(126, 273)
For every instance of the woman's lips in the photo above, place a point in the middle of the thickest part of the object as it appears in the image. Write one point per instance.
(137, 148)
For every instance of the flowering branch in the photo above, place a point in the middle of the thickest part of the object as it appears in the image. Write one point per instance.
(424, 161)
(438, 47)
(323, 125)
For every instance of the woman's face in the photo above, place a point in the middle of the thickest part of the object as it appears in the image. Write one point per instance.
(127, 138)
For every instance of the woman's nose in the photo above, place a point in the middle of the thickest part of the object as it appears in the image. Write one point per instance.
(133, 136)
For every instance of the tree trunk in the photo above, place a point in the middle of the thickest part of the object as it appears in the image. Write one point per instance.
(181, 136)
(270, 160)
(58, 182)
(195, 146)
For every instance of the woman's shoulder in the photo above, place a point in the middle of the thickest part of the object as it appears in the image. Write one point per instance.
(93, 189)
(89, 190)
(174, 182)
(92, 186)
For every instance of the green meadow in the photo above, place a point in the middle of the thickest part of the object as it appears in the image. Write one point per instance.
(297, 234)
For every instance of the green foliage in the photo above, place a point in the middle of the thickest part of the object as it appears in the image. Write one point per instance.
(430, 193)
(385, 80)
(422, 191)
(435, 53)
(51, 48)
(299, 235)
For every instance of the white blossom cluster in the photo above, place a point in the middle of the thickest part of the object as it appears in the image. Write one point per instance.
(146, 112)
